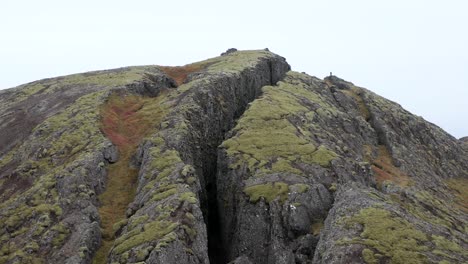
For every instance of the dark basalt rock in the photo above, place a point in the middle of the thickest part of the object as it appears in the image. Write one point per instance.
(228, 51)
(464, 142)
(251, 163)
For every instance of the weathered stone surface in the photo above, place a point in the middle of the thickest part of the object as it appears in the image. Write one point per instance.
(251, 163)
(464, 142)
(189, 139)
(54, 169)
(265, 219)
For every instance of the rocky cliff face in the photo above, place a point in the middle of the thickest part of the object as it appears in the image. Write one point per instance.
(234, 159)
(464, 142)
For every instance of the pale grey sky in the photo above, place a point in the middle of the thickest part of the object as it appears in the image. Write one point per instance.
(412, 52)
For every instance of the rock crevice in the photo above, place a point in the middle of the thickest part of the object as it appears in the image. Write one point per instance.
(235, 159)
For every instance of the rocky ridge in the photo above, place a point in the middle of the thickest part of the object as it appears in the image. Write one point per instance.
(233, 159)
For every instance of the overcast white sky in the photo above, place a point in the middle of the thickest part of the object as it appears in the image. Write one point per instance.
(412, 52)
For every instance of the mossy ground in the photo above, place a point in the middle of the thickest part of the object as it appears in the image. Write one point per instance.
(180, 73)
(459, 187)
(269, 191)
(391, 239)
(270, 139)
(382, 165)
(355, 93)
(236, 61)
(106, 78)
(151, 231)
(267, 139)
(65, 139)
(388, 238)
(72, 135)
(385, 170)
(126, 120)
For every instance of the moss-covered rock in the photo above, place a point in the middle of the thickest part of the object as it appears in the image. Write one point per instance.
(228, 159)
(391, 237)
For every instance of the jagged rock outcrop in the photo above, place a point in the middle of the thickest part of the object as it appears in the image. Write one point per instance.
(464, 142)
(233, 159)
(54, 168)
(178, 164)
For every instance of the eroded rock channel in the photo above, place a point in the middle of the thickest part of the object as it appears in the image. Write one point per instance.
(126, 120)
(176, 199)
(235, 159)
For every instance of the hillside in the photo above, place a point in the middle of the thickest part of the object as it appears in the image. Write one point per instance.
(233, 159)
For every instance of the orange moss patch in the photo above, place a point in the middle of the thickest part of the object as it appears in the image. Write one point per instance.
(459, 187)
(120, 121)
(126, 120)
(385, 170)
(180, 73)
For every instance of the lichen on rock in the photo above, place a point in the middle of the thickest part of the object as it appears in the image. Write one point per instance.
(235, 159)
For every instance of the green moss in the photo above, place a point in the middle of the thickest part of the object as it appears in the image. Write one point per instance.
(81, 129)
(29, 89)
(83, 251)
(151, 231)
(117, 226)
(391, 236)
(300, 188)
(116, 77)
(19, 231)
(13, 221)
(282, 165)
(137, 220)
(7, 158)
(5, 249)
(266, 133)
(190, 216)
(424, 199)
(269, 191)
(43, 208)
(141, 255)
(69, 136)
(186, 170)
(61, 233)
(164, 162)
(322, 156)
(164, 194)
(446, 248)
(191, 180)
(369, 257)
(189, 197)
(236, 61)
(163, 242)
(124, 256)
(191, 232)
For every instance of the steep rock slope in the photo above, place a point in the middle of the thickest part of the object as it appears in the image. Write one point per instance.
(54, 159)
(327, 172)
(464, 142)
(233, 159)
(55, 174)
(178, 163)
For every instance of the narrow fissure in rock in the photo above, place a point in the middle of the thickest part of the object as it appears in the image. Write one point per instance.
(216, 250)
(383, 165)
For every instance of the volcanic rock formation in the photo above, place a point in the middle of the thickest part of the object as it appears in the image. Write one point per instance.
(236, 159)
